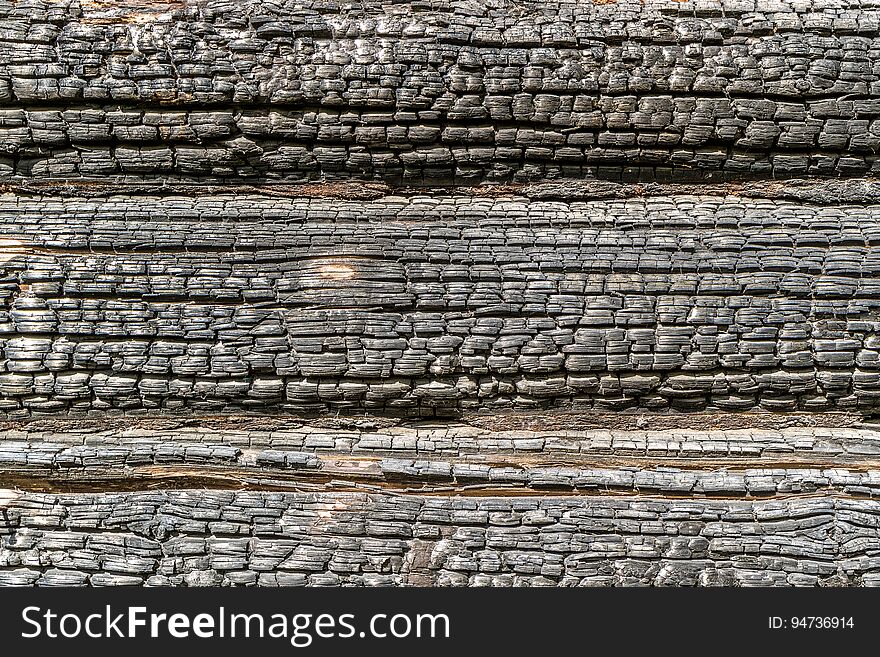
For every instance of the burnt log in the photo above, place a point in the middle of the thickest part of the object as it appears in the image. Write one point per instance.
(439, 293)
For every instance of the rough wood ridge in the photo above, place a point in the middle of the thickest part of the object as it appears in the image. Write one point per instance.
(441, 293)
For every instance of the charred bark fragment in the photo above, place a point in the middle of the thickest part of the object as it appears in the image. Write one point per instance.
(438, 293)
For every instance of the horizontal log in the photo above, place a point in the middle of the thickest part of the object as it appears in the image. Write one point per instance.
(437, 305)
(263, 323)
(365, 539)
(452, 458)
(441, 92)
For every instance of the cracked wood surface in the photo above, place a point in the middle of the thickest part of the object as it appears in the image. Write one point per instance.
(199, 538)
(418, 305)
(407, 294)
(460, 458)
(439, 93)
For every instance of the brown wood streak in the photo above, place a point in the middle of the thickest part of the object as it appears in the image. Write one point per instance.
(443, 494)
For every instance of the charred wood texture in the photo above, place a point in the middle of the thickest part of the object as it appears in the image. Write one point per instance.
(440, 293)
(440, 92)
